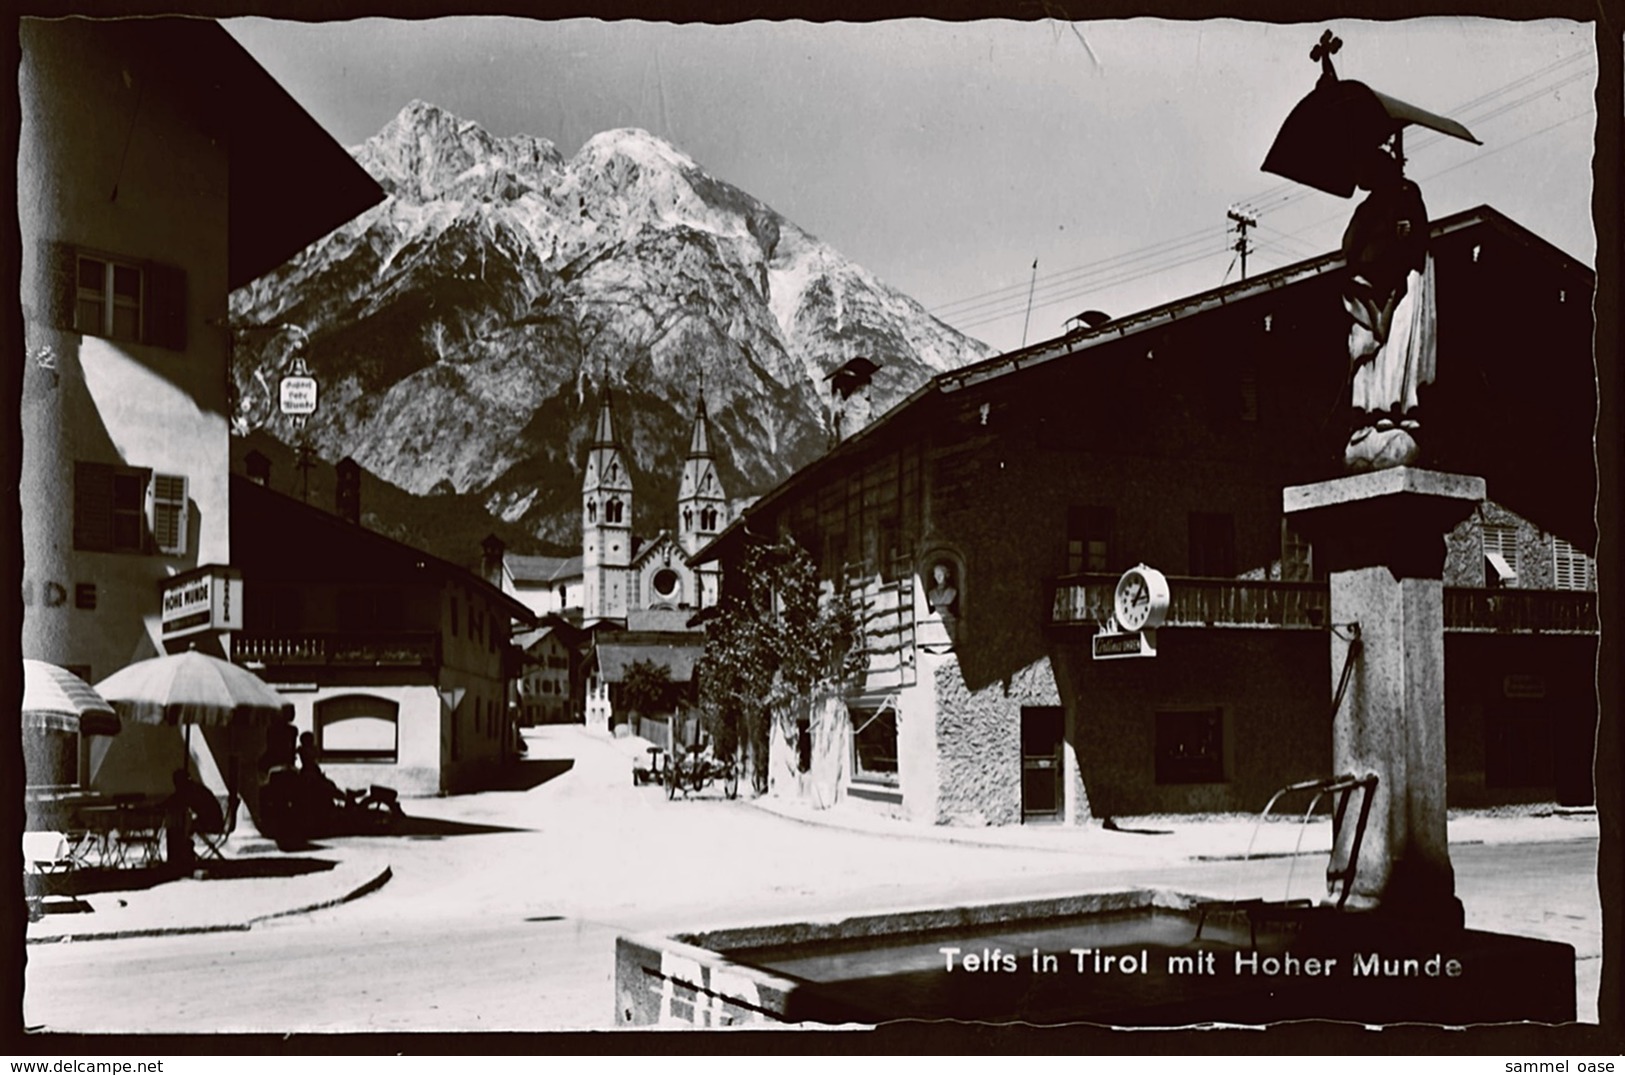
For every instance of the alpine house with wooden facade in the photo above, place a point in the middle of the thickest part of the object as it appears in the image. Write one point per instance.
(984, 522)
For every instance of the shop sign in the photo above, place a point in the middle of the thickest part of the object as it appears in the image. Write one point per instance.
(1112, 645)
(1520, 685)
(204, 599)
(298, 390)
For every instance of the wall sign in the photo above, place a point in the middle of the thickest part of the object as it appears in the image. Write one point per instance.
(298, 390)
(1139, 607)
(1111, 645)
(203, 599)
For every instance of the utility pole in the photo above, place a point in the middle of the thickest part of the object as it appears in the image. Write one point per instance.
(1243, 222)
(1028, 319)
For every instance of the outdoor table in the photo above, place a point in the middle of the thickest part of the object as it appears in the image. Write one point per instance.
(115, 835)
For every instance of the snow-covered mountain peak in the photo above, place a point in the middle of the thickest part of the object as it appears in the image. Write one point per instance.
(453, 324)
(426, 153)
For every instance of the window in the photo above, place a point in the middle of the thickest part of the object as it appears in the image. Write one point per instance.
(665, 584)
(109, 297)
(117, 298)
(1500, 555)
(168, 513)
(614, 510)
(1517, 745)
(1088, 539)
(117, 509)
(369, 609)
(1571, 568)
(874, 742)
(1247, 393)
(358, 728)
(708, 519)
(1297, 556)
(1212, 545)
(51, 758)
(1190, 747)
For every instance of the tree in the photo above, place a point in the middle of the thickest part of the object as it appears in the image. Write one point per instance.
(776, 641)
(646, 688)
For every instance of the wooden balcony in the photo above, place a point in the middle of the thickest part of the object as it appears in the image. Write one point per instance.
(337, 649)
(1086, 600)
(1547, 612)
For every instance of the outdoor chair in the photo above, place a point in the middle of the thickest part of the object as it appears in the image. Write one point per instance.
(214, 842)
(47, 854)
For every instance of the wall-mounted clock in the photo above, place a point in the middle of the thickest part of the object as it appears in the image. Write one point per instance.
(1141, 600)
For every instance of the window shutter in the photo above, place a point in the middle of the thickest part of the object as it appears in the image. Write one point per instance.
(92, 506)
(166, 307)
(1571, 568)
(62, 284)
(166, 513)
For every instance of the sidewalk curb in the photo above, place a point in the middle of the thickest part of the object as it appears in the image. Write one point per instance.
(371, 884)
(949, 835)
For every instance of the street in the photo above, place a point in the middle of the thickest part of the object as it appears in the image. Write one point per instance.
(510, 923)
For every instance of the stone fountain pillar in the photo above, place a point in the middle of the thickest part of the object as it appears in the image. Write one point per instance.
(1381, 535)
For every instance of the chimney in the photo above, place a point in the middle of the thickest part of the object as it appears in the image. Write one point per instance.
(347, 490)
(492, 550)
(850, 404)
(259, 468)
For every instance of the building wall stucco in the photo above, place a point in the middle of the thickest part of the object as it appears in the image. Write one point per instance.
(979, 742)
(1271, 686)
(417, 770)
(89, 399)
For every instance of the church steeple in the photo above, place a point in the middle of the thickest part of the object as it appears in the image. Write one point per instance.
(606, 521)
(702, 507)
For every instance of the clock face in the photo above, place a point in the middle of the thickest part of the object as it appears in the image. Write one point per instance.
(1142, 596)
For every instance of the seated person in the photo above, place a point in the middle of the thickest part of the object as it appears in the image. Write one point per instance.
(190, 808)
(320, 790)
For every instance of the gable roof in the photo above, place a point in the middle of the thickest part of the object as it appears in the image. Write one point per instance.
(253, 504)
(1087, 337)
(646, 549)
(542, 570)
(677, 658)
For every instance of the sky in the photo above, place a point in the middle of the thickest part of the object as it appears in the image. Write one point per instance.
(948, 157)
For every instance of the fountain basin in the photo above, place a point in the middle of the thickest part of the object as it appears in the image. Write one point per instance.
(1125, 958)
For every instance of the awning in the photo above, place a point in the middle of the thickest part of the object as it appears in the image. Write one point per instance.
(1503, 571)
(56, 700)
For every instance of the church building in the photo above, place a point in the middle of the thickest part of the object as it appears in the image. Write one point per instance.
(632, 597)
(622, 575)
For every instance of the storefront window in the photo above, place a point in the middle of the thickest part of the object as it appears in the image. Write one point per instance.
(1190, 747)
(874, 743)
(358, 728)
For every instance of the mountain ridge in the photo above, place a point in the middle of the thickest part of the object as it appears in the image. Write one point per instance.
(462, 328)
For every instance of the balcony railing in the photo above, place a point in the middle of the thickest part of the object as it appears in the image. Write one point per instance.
(1558, 612)
(1082, 600)
(337, 649)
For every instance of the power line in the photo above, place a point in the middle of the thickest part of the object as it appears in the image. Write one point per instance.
(984, 308)
(985, 297)
(1080, 285)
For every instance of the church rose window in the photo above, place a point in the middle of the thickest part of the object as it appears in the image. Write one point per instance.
(666, 583)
